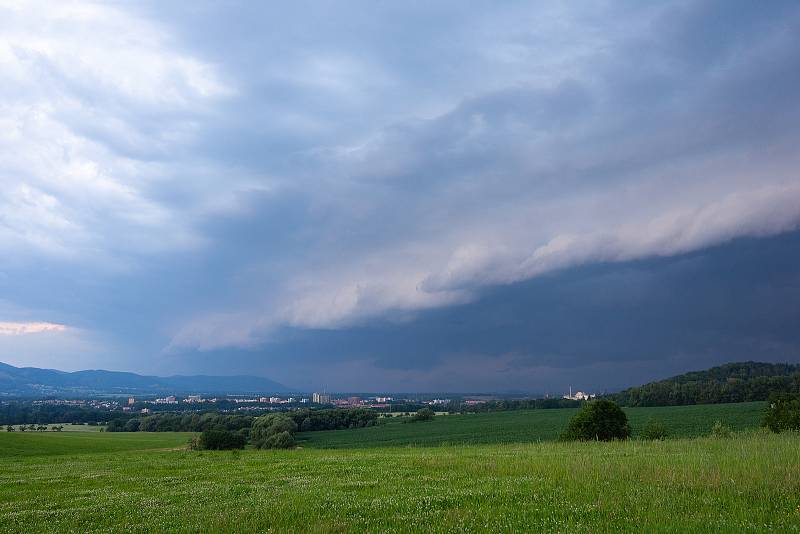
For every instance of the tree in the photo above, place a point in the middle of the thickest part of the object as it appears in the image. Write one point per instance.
(281, 440)
(782, 413)
(601, 420)
(218, 440)
(267, 427)
(9, 428)
(425, 414)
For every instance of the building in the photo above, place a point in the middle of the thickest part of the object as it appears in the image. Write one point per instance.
(194, 398)
(131, 401)
(321, 398)
(274, 400)
(579, 395)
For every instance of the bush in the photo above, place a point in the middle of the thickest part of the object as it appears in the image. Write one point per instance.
(601, 420)
(654, 430)
(783, 413)
(719, 430)
(425, 414)
(219, 440)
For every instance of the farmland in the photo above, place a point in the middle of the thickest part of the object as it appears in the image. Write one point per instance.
(529, 425)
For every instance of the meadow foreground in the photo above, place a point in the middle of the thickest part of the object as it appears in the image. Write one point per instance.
(746, 483)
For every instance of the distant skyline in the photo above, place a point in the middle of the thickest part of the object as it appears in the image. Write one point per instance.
(400, 197)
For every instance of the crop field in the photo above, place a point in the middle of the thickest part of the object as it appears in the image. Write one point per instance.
(748, 483)
(529, 425)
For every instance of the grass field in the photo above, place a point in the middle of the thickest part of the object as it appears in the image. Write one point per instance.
(529, 425)
(746, 484)
(38, 444)
(464, 473)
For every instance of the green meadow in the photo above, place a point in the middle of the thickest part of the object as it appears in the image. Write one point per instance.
(748, 483)
(150, 482)
(14, 445)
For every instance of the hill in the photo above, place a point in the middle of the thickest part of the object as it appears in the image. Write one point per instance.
(35, 382)
(732, 382)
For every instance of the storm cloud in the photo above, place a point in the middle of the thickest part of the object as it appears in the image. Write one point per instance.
(320, 191)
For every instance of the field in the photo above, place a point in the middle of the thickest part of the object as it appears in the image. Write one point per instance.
(43, 444)
(529, 425)
(468, 473)
(748, 483)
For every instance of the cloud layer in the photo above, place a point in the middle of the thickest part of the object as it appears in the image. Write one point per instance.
(193, 179)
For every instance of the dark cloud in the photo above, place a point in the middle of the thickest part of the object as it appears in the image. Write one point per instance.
(416, 194)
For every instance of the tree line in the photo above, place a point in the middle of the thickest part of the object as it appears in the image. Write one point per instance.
(19, 413)
(503, 405)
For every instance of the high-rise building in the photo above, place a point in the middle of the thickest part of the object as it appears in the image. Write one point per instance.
(321, 398)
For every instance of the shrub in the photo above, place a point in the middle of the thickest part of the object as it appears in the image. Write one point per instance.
(654, 430)
(720, 430)
(218, 440)
(601, 420)
(425, 414)
(783, 413)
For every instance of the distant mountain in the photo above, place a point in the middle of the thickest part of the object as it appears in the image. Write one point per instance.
(732, 382)
(31, 381)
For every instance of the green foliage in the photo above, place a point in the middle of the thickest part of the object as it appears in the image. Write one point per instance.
(333, 418)
(181, 422)
(425, 414)
(271, 431)
(20, 412)
(503, 405)
(281, 440)
(721, 430)
(220, 440)
(601, 420)
(654, 430)
(733, 382)
(783, 413)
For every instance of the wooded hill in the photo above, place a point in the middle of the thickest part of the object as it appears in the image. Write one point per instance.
(732, 382)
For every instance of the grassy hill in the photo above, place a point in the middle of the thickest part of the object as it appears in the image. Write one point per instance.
(528, 425)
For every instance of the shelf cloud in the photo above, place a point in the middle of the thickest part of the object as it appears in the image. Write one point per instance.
(191, 182)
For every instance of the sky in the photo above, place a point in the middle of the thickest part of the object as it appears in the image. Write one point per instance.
(408, 196)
